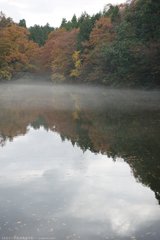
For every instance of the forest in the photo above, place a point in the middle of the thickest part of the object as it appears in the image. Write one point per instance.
(118, 47)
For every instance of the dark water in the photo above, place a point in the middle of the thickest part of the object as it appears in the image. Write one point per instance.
(79, 162)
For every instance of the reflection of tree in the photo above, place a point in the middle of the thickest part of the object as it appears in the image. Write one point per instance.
(4, 139)
(84, 142)
(40, 122)
(115, 127)
(136, 139)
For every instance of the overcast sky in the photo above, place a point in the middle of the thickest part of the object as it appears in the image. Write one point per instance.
(51, 11)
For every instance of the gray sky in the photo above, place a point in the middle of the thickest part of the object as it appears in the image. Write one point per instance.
(51, 11)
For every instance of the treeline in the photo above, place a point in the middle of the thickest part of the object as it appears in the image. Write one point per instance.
(119, 47)
(39, 34)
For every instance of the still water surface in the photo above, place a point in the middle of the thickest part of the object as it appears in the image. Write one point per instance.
(79, 162)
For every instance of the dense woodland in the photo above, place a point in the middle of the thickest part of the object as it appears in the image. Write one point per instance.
(117, 47)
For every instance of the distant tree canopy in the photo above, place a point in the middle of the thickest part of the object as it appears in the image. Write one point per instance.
(22, 23)
(40, 34)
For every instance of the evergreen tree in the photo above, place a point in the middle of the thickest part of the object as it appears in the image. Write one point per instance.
(145, 19)
(74, 21)
(86, 23)
(39, 34)
(115, 17)
(22, 23)
(84, 32)
(63, 23)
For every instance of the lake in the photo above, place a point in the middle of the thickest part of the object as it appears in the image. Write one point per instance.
(79, 162)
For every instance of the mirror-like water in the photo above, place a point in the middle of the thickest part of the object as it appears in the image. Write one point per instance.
(79, 162)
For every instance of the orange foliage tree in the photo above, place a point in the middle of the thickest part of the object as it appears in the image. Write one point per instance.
(20, 49)
(102, 32)
(4, 47)
(18, 55)
(58, 51)
(4, 22)
(46, 51)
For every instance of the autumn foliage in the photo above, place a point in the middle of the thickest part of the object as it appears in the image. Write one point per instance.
(18, 54)
(56, 56)
(102, 32)
(119, 47)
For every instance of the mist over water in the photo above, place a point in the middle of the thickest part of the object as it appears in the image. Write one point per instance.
(107, 97)
(79, 161)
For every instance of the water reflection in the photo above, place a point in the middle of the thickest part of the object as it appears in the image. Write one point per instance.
(79, 162)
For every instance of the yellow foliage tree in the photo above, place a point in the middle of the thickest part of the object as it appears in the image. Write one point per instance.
(77, 62)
